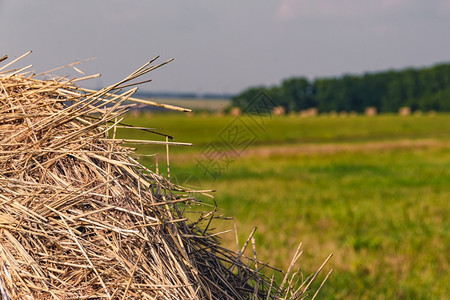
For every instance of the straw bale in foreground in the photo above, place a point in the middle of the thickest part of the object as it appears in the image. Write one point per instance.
(81, 219)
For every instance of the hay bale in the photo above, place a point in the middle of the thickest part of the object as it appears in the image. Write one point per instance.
(279, 111)
(333, 114)
(404, 111)
(310, 112)
(371, 111)
(235, 111)
(81, 218)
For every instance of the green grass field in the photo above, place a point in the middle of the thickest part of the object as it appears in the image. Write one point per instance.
(371, 190)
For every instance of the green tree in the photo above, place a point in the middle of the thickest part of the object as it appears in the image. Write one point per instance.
(426, 88)
(297, 94)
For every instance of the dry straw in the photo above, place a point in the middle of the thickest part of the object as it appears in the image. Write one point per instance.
(81, 219)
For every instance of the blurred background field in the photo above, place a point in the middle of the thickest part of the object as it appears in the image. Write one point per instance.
(371, 190)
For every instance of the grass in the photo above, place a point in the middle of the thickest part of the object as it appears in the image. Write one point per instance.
(384, 222)
(382, 212)
(203, 128)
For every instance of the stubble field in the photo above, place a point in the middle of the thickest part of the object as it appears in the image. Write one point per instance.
(374, 191)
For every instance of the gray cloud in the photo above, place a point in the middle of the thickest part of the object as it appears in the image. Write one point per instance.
(227, 46)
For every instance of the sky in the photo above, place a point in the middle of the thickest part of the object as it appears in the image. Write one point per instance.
(226, 46)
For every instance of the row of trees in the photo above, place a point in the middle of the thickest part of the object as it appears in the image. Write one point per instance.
(424, 89)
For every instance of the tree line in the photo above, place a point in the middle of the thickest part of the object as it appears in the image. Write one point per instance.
(419, 88)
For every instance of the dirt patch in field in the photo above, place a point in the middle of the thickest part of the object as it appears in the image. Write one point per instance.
(267, 151)
(309, 149)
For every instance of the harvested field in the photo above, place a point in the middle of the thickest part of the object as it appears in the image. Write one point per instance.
(371, 190)
(315, 149)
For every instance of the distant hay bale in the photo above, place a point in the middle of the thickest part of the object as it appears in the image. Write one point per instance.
(80, 218)
(371, 111)
(310, 112)
(313, 112)
(279, 111)
(404, 111)
(135, 113)
(235, 111)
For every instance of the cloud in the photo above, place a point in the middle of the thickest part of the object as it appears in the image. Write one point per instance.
(285, 10)
(121, 15)
(444, 5)
(384, 30)
(293, 9)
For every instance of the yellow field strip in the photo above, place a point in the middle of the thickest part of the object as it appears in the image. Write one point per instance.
(265, 151)
(305, 149)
